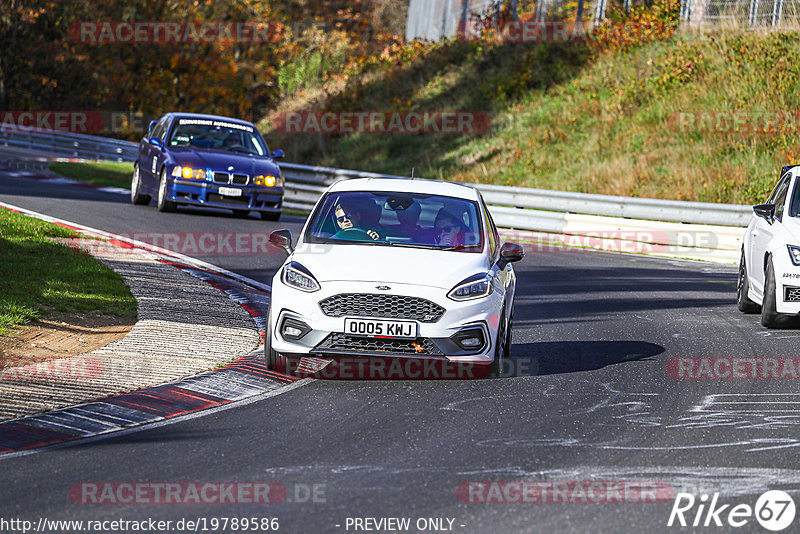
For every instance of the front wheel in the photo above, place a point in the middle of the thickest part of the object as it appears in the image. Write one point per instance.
(501, 350)
(769, 313)
(274, 360)
(164, 204)
(743, 302)
(136, 186)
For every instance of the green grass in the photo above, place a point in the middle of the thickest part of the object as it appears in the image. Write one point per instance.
(39, 276)
(104, 173)
(565, 117)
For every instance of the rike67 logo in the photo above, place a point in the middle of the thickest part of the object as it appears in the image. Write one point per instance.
(774, 510)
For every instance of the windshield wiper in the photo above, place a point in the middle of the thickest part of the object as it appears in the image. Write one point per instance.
(461, 247)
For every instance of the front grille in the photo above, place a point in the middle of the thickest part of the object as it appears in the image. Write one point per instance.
(388, 306)
(338, 342)
(221, 177)
(791, 294)
(213, 197)
(240, 179)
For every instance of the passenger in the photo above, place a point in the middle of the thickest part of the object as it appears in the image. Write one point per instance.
(450, 231)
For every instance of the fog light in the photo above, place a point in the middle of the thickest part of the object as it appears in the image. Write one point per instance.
(472, 339)
(292, 329)
(471, 342)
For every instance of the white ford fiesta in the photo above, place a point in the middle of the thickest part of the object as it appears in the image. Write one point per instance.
(769, 268)
(394, 268)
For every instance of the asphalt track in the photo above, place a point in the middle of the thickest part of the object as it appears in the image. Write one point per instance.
(590, 399)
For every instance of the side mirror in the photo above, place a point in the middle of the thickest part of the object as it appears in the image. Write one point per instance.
(509, 253)
(152, 125)
(278, 154)
(155, 141)
(282, 239)
(766, 212)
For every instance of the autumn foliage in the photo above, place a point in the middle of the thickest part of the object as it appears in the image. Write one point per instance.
(44, 67)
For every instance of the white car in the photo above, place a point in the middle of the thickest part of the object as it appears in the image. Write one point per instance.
(769, 268)
(394, 268)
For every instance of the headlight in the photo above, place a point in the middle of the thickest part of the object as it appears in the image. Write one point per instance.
(267, 181)
(189, 173)
(298, 277)
(794, 254)
(473, 287)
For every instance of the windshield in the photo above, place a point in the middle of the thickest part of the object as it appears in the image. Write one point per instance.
(219, 135)
(397, 219)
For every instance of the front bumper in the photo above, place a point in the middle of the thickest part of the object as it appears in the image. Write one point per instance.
(197, 193)
(326, 336)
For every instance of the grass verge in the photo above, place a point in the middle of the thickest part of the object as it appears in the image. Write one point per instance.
(39, 276)
(104, 173)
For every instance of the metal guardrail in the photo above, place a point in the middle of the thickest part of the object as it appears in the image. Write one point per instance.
(533, 209)
(69, 145)
(512, 207)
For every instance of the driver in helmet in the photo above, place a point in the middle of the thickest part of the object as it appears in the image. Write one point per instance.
(350, 214)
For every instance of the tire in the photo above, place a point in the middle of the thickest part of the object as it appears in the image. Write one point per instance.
(509, 332)
(275, 361)
(164, 205)
(743, 302)
(138, 198)
(501, 346)
(270, 216)
(769, 314)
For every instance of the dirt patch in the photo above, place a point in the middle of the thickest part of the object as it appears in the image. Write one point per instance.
(61, 335)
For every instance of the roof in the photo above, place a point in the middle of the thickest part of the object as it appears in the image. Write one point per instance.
(407, 185)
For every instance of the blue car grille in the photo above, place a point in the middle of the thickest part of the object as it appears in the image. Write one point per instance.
(227, 178)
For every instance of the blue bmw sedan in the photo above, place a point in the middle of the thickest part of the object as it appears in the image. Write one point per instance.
(210, 161)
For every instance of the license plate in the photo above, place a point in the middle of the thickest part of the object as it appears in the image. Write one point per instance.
(381, 328)
(230, 192)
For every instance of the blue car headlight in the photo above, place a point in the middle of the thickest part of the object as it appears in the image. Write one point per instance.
(473, 287)
(188, 173)
(794, 254)
(296, 276)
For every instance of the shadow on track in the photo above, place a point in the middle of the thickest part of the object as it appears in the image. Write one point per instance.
(559, 357)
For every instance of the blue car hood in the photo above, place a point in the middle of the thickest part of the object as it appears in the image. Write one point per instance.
(221, 160)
